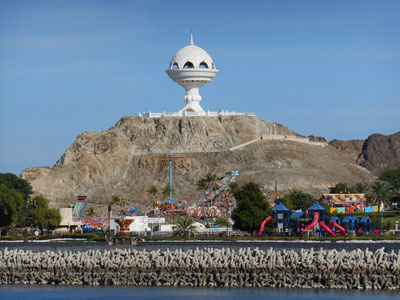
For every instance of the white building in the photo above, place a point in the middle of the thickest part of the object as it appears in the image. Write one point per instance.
(67, 218)
(139, 224)
(166, 228)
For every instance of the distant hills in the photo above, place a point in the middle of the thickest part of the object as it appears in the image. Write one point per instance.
(376, 153)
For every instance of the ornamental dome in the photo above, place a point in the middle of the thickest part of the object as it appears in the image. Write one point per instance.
(192, 57)
(192, 68)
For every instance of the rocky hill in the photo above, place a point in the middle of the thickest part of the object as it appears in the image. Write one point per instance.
(125, 159)
(376, 153)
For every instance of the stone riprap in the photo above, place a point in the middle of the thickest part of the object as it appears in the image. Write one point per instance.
(207, 267)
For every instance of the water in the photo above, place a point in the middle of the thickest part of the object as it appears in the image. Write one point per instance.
(88, 293)
(149, 246)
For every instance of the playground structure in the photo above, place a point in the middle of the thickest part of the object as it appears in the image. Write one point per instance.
(80, 207)
(318, 213)
(92, 227)
(279, 218)
(350, 222)
(313, 223)
(331, 229)
(334, 223)
(366, 225)
(262, 226)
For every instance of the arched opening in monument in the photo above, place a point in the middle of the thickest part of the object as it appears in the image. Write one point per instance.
(203, 65)
(175, 66)
(188, 65)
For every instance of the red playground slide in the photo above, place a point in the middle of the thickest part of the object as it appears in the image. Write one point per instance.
(342, 230)
(314, 221)
(327, 229)
(262, 226)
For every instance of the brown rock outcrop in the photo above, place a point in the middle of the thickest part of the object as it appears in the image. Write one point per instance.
(376, 153)
(125, 160)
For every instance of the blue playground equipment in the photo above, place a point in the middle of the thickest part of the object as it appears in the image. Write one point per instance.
(350, 222)
(133, 210)
(86, 228)
(316, 207)
(281, 217)
(365, 225)
(335, 219)
(297, 224)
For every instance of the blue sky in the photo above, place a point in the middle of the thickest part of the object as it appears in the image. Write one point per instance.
(328, 68)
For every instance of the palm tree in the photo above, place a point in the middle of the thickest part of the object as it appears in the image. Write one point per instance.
(211, 181)
(114, 200)
(208, 183)
(91, 212)
(152, 191)
(165, 192)
(201, 184)
(380, 192)
(184, 226)
(233, 188)
(362, 188)
(222, 222)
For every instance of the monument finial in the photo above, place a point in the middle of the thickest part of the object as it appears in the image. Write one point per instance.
(191, 38)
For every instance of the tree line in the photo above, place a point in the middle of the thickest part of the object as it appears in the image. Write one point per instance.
(18, 206)
(386, 189)
(252, 206)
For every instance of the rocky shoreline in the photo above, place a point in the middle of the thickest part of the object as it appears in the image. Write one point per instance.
(206, 267)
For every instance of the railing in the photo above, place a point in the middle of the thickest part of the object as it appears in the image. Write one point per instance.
(193, 114)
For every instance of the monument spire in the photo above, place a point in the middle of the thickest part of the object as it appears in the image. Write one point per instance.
(191, 38)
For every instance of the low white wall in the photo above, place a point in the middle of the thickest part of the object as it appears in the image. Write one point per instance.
(300, 139)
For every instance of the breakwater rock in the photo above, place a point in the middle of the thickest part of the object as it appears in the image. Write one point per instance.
(208, 267)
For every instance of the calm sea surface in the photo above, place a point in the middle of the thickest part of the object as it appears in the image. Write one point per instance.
(121, 293)
(149, 246)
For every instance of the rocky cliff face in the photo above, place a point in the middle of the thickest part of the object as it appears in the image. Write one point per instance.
(376, 153)
(125, 160)
(140, 136)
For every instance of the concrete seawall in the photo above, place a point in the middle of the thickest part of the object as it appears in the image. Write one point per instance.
(208, 267)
